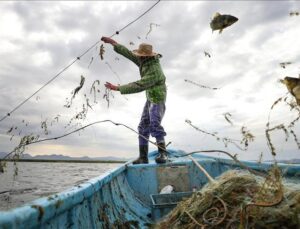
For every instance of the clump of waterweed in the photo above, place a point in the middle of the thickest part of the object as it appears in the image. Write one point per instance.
(238, 199)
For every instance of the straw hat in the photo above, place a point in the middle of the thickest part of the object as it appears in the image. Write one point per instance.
(144, 50)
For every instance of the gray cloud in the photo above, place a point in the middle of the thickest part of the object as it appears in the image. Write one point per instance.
(61, 32)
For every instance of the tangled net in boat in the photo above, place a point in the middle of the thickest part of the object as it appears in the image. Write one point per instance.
(238, 199)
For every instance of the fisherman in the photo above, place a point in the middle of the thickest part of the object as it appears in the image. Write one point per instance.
(153, 82)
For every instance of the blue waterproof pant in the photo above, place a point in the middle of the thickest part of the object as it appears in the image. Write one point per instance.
(151, 123)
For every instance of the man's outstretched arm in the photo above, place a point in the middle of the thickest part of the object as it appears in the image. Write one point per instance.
(121, 49)
(109, 41)
(112, 86)
(143, 84)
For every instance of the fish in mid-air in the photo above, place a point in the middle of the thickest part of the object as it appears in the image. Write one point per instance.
(294, 13)
(293, 86)
(207, 54)
(220, 22)
(284, 64)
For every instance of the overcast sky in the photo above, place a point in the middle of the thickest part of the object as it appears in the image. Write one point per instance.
(38, 39)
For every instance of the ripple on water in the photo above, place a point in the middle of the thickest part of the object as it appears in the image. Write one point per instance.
(36, 179)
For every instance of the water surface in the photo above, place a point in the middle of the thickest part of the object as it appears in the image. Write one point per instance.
(40, 179)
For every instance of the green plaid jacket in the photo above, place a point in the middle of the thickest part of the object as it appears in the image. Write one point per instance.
(152, 77)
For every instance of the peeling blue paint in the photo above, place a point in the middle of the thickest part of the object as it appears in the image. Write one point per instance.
(120, 196)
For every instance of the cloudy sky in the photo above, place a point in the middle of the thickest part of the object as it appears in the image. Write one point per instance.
(38, 39)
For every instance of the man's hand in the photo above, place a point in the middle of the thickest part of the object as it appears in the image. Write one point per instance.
(108, 40)
(111, 86)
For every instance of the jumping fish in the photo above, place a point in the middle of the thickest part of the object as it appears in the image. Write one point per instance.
(284, 64)
(293, 86)
(207, 54)
(294, 13)
(220, 22)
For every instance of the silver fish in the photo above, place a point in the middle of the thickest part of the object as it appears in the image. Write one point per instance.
(220, 22)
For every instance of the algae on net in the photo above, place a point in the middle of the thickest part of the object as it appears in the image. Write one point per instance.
(239, 199)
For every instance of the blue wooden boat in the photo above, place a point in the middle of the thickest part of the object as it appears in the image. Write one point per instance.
(126, 197)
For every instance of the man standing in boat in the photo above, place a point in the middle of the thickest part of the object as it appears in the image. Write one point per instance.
(153, 82)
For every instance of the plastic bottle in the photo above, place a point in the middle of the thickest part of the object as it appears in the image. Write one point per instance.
(167, 189)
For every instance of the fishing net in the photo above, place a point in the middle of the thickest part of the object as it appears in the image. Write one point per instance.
(238, 199)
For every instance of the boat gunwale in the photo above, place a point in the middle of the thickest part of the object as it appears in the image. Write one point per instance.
(57, 203)
(30, 213)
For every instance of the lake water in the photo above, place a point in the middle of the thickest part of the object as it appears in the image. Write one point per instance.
(40, 179)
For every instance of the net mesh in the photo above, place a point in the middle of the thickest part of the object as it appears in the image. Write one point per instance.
(239, 199)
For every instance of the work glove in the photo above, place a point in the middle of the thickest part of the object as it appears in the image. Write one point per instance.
(111, 86)
(108, 40)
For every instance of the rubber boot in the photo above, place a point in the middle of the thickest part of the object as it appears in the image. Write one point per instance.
(162, 156)
(143, 158)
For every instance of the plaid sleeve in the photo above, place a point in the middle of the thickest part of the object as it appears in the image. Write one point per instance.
(145, 83)
(121, 49)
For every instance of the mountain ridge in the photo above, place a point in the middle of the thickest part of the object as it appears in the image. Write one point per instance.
(63, 157)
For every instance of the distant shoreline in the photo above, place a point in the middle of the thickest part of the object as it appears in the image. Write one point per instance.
(66, 161)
